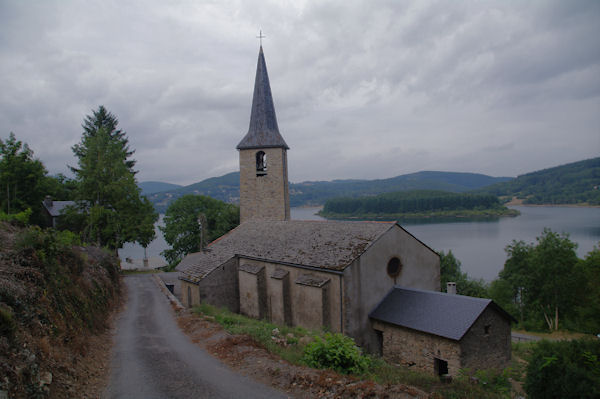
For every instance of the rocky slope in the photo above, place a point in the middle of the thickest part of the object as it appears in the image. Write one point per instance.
(55, 301)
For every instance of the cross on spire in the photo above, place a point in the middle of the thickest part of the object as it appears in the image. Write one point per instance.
(260, 37)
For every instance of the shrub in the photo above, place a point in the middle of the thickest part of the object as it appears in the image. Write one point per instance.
(564, 369)
(21, 217)
(337, 352)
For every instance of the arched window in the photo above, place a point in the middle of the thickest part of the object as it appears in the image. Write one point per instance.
(394, 267)
(261, 163)
(189, 297)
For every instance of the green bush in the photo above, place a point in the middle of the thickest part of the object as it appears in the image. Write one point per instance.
(46, 243)
(337, 352)
(564, 369)
(21, 217)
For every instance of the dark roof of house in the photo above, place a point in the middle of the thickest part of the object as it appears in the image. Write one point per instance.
(263, 131)
(56, 207)
(438, 313)
(331, 245)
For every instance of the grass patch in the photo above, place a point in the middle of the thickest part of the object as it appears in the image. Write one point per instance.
(151, 271)
(286, 344)
(290, 344)
(556, 335)
(483, 384)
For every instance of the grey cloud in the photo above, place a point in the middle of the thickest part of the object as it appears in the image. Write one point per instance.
(379, 88)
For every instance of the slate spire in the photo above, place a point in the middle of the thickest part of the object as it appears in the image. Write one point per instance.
(263, 131)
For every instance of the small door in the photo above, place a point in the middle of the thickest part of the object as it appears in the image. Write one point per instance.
(379, 342)
(440, 366)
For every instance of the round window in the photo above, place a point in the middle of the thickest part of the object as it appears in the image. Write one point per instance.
(394, 267)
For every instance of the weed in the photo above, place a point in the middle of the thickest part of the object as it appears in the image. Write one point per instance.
(337, 352)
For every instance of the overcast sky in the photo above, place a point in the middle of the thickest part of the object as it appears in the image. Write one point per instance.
(369, 89)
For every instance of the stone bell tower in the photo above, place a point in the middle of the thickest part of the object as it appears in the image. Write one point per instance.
(264, 191)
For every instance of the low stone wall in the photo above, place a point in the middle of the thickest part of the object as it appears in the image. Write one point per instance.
(417, 349)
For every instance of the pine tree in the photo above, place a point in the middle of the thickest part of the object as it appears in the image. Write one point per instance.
(107, 192)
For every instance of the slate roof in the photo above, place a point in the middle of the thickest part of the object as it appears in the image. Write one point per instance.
(263, 131)
(331, 245)
(438, 313)
(57, 207)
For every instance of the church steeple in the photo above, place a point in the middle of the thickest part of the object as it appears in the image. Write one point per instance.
(263, 131)
(264, 186)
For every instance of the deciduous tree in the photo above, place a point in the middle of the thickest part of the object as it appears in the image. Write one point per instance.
(182, 229)
(450, 271)
(21, 177)
(541, 279)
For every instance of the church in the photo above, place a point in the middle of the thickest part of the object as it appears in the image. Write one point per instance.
(372, 281)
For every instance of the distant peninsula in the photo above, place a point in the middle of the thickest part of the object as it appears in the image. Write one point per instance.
(417, 205)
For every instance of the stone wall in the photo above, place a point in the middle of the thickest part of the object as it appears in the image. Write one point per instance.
(311, 310)
(189, 294)
(279, 301)
(253, 291)
(296, 296)
(487, 344)
(219, 288)
(418, 350)
(265, 196)
(366, 280)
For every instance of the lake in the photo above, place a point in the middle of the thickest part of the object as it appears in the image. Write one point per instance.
(478, 245)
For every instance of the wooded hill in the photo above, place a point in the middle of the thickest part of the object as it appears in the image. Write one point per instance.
(573, 183)
(226, 188)
(151, 187)
(566, 184)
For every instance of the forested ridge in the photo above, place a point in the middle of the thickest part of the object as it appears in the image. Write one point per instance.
(416, 203)
(573, 183)
(226, 187)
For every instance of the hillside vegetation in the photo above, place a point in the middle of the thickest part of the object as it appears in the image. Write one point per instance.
(151, 187)
(417, 204)
(226, 188)
(573, 183)
(54, 297)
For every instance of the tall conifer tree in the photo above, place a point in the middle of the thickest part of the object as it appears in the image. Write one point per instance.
(109, 199)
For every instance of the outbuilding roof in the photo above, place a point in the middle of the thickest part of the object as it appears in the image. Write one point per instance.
(55, 208)
(263, 131)
(438, 313)
(331, 245)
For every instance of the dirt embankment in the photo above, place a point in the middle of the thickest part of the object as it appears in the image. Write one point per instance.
(243, 354)
(55, 305)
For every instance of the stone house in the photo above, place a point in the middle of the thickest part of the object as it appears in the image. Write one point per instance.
(314, 274)
(440, 332)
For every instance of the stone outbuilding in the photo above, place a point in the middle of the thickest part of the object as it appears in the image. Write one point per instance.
(442, 333)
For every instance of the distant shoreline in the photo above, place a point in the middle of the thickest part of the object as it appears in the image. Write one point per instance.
(519, 202)
(456, 215)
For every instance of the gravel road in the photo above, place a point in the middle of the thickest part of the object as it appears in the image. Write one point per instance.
(152, 358)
